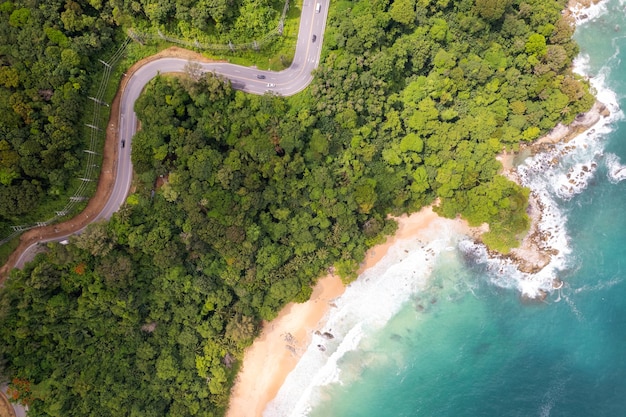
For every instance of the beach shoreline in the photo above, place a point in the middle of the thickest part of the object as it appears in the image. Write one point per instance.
(275, 353)
(533, 254)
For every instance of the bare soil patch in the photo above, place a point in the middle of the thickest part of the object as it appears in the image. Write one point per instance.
(6, 410)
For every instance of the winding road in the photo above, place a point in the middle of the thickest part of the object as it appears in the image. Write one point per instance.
(287, 82)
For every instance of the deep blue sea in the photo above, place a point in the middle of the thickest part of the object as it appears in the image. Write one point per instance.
(439, 329)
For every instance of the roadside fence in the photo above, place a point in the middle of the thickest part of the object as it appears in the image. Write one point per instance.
(96, 126)
(97, 129)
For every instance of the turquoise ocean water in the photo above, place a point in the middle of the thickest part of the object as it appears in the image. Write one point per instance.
(439, 329)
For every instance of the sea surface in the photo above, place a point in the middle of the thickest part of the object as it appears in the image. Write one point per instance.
(439, 329)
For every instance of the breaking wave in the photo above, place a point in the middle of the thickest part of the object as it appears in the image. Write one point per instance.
(366, 306)
(616, 172)
(555, 176)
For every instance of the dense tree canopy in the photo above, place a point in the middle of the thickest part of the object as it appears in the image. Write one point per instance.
(219, 20)
(441, 88)
(47, 62)
(48, 65)
(242, 201)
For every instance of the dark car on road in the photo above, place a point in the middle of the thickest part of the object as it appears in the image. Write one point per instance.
(314, 38)
(261, 77)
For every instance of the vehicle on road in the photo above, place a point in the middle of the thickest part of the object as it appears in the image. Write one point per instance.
(313, 38)
(123, 143)
(261, 77)
(292, 80)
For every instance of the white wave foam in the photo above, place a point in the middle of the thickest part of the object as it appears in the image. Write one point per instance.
(575, 180)
(379, 293)
(581, 64)
(558, 174)
(583, 14)
(504, 273)
(603, 285)
(616, 172)
(365, 307)
(554, 393)
(574, 308)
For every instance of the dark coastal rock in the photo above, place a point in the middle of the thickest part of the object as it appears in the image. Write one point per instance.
(325, 335)
(604, 111)
(540, 297)
(557, 284)
(228, 360)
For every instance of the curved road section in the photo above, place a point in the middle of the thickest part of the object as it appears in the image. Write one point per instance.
(287, 82)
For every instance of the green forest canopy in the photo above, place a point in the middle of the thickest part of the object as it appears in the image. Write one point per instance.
(47, 52)
(48, 65)
(148, 314)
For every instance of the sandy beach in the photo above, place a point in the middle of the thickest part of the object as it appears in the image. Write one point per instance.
(275, 353)
(277, 350)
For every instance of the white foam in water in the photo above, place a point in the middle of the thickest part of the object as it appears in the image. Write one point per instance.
(616, 172)
(559, 174)
(554, 393)
(366, 306)
(583, 14)
(575, 180)
(600, 286)
(380, 292)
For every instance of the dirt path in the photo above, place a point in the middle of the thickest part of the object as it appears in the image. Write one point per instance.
(6, 410)
(107, 172)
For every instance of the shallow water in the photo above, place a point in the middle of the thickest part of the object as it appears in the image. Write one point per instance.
(449, 336)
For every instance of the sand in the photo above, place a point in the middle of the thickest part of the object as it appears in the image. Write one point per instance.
(6, 410)
(277, 350)
(275, 353)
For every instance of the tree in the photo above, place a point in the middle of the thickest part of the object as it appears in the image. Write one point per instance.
(403, 11)
(536, 45)
(95, 239)
(412, 142)
(365, 195)
(491, 10)
(147, 314)
(241, 329)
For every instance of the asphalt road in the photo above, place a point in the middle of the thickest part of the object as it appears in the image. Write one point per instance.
(287, 82)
